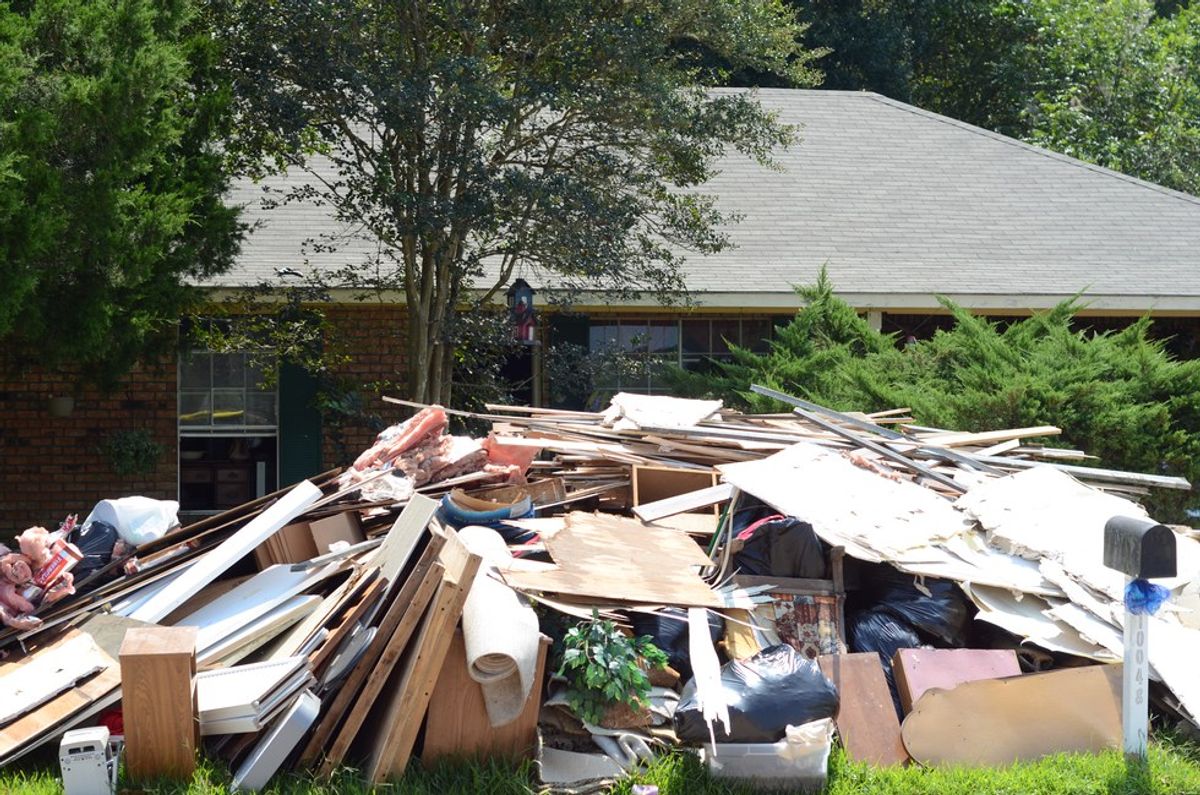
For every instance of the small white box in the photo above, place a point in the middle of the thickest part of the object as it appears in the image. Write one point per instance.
(88, 761)
(798, 763)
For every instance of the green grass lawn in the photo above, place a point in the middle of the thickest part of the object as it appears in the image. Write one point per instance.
(1173, 769)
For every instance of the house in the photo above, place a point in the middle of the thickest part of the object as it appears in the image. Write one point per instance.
(901, 205)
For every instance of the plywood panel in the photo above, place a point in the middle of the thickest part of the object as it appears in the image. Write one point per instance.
(1018, 719)
(609, 557)
(458, 723)
(866, 719)
(918, 670)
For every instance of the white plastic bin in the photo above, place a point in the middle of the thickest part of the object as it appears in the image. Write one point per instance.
(798, 763)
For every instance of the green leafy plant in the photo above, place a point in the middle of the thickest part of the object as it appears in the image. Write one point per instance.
(604, 667)
(132, 452)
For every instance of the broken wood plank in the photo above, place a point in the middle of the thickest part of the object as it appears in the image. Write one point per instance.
(410, 688)
(417, 589)
(681, 503)
(409, 615)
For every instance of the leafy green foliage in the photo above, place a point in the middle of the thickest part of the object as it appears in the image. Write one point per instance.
(110, 183)
(603, 667)
(471, 142)
(1113, 82)
(1117, 395)
(132, 452)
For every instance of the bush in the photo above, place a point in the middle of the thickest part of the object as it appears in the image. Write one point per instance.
(1117, 395)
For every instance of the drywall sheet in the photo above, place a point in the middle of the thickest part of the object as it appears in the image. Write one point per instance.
(32, 681)
(1027, 617)
(1019, 719)
(874, 517)
(500, 631)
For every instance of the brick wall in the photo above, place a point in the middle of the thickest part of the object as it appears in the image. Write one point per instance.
(373, 335)
(51, 466)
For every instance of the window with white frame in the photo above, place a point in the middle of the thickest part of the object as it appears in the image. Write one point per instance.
(228, 431)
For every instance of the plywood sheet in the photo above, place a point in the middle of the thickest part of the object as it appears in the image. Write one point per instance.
(458, 722)
(919, 670)
(1019, 719)
(866, 719)
(609, 557)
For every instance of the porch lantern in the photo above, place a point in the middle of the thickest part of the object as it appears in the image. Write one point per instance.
(521, 312)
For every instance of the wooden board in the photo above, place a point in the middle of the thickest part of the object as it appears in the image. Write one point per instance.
(407, 696)
(16, 737)
(866, 719)
(613, 558)
(1018, 719)
(919, 670)
(394, 646)
(358, 604)
(683, 503)
(414, 591)
(457, 723)
(740, 642)
(655, 483)
(158, 702)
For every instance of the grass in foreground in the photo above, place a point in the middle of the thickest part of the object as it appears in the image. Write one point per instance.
(1173, 769)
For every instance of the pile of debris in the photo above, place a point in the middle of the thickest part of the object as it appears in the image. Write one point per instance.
(799, 575)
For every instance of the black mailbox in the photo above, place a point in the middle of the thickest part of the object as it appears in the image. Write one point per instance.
(1139, 547)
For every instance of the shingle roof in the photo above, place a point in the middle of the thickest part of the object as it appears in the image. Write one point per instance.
(901, 202)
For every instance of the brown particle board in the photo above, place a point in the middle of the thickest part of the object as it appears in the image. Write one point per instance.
(1017, 719)
(158, 702)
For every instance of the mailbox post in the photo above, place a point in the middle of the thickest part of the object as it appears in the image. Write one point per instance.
(1142, 550)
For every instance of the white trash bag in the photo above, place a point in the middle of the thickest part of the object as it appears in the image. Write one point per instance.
(138, 520)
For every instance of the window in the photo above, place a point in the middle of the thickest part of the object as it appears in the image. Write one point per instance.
(228, 432)
(649, 346)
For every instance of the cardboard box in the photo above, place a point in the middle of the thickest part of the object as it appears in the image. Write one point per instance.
(343, 526)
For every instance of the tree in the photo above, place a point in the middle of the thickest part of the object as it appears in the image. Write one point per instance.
(1114, 84)
(1118, 395)
(471, 141)
(110, 185)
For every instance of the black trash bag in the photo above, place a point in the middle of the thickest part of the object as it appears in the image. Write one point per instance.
(784, 547)
(943, 615)
(774, 689)
(95, 542)
(882, 633)
(671, 634)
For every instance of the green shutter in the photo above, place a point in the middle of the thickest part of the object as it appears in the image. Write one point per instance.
(299, 425)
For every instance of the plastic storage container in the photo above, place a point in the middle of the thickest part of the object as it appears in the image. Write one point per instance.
(797, 763)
